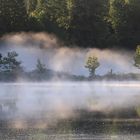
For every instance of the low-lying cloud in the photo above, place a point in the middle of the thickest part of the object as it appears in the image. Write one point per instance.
(31, 46)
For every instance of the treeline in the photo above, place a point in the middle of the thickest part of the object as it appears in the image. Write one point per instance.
(100, 23)
(11, 70)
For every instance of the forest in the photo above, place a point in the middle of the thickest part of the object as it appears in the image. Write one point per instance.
(84, 23)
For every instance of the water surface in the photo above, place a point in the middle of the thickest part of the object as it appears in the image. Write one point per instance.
(70, 110)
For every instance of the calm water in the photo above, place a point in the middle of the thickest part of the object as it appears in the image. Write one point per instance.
(70, 111)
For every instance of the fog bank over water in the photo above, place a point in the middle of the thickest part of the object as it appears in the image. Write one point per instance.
(48, 103)
(31, 46)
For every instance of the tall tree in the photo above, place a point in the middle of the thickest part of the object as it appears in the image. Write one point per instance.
(40, 68)
(137, 57)
(92, 64)
(11, 64)
(31, 5)
(60, 12)
(37, 14)
(1, 62)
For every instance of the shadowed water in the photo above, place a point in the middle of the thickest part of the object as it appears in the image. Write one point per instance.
(70, 111)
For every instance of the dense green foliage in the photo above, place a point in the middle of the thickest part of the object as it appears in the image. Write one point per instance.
(99, 23)
(13, 16)
(125, 20)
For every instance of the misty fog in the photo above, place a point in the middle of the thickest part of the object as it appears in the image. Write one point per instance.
(31, 46)
(53, 101)
(76, 109)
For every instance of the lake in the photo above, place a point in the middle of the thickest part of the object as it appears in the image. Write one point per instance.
(70, 111)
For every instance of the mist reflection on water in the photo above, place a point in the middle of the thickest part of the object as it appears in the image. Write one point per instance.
(66, 110)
